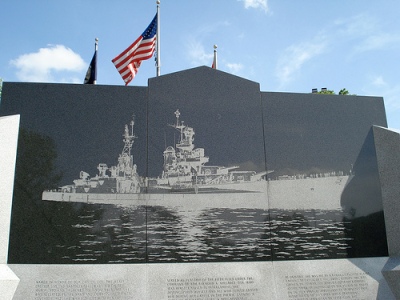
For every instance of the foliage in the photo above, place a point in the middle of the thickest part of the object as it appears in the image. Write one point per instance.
(332, 92)
(35, 168)
(325, 91)
(31, 230)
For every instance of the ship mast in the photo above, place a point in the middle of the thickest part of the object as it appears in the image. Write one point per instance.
(128, 138)
(185, 143)
(179, 126)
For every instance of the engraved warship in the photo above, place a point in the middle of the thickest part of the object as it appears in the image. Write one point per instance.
(185, 168)
(120, 179)
(185, 173)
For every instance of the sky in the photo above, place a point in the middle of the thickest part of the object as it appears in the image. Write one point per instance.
(285, 45)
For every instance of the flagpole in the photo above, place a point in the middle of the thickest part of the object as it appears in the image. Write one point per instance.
(96, 46)
(215, 64)
(158, 39)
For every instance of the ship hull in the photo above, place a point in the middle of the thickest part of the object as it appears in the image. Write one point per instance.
(309, 193)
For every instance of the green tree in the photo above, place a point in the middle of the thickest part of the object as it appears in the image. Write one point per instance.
(326, 91)
(332, 92)
(32, 232)
(35, 166)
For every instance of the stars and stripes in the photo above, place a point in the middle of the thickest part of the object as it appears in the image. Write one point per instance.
(129, 61)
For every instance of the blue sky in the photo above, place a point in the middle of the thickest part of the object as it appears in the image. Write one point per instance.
(286, 46)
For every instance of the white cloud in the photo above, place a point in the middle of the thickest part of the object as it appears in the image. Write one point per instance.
(258, 4)
(45, 64)
(208, 29)
(378, 41)
(366, 33)
(197, 54)
(357, 34)
(390, 92)
(378, 81)
(295, 56)
(356, 26)
(234, 68)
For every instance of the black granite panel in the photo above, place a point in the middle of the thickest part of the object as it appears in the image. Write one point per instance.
(86, 122)
(317, 143)
(223, 224)
(387, 144)
(362, 201)
(223, 109)
(310, 133)
(362, 195)
(66, 129)
(322, 152)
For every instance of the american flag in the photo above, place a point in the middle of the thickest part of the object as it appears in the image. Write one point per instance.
(129, 61)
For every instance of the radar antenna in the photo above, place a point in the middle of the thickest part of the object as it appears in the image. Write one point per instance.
(179, 125)
(129, 138)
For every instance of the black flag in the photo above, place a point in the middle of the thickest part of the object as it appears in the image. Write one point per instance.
(91, 74)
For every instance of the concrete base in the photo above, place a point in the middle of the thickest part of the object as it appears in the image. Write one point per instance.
(316, 279)
(8, 282)
(8, 149)
(391, 272)
(387, 143)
